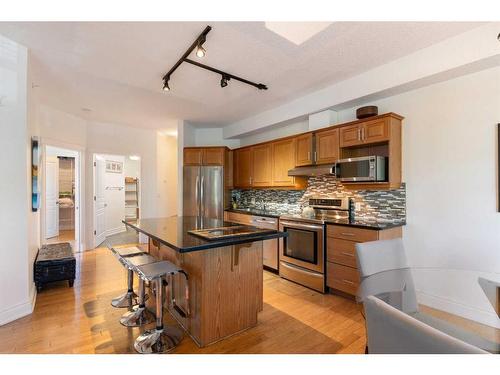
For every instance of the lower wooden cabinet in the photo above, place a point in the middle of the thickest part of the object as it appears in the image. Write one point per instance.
(341, 264)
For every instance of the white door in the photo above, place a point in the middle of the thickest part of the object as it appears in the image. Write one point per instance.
(52, 197)
(99, 201)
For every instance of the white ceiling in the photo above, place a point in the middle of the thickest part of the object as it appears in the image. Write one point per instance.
(115, 69)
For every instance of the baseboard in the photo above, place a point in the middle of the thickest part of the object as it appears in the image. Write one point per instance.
(452, 307)
(116, 230)
(18, 311)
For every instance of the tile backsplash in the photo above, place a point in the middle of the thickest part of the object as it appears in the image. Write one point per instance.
(383, 205)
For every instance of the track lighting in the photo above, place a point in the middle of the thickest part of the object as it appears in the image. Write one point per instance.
(223, 81)
(166, 87)
(201, 52)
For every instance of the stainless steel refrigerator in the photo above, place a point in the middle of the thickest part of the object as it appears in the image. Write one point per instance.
(203, 191)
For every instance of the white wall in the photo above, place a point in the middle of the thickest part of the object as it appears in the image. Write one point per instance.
(17, 222)
(213, 137)
(132, 168)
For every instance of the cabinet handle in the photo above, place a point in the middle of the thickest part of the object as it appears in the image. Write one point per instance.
(308, 155)
(250, 180)
(347, 254)
(348, 282)
(359, 134)
(315, 156)
(363, 133)
(347, 234)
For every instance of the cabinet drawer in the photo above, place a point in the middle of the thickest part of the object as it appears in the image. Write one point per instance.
(351, 234)
(341, 251)
(236, 217)
(342, 278)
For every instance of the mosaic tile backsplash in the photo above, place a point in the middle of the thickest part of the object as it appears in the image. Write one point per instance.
(383, 205)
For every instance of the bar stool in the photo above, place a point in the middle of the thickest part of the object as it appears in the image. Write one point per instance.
(163, 338)
(129, 298)
(139, 315)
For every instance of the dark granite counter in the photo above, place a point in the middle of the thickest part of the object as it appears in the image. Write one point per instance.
(254, 211)
(366, 224)
(173, 232)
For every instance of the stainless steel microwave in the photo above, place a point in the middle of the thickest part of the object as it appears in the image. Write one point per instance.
(366, 168)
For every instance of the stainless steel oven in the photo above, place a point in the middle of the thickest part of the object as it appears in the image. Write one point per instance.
(302, 253)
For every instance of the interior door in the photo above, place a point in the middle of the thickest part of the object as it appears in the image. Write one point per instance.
(52, 197)
(99, 202)
(212, 190)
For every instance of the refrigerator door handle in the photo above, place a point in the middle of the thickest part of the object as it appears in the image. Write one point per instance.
(202, 200)
(196, 195)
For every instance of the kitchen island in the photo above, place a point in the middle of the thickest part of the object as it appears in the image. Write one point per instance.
(224, 274)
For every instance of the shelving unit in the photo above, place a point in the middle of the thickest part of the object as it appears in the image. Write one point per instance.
(131, 199)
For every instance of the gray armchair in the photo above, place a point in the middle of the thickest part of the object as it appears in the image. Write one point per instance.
(390, 331)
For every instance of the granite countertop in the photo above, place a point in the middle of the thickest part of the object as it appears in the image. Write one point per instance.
(357, 223)
(173, 232)
(255, 211)
(366, 224)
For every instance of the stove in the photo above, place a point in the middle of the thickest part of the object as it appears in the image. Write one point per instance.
(302, 253)
(322, 210)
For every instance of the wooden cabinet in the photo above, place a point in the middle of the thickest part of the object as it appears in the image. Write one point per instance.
(327, 146)
(193, 156)
(243, 167)
(262, 166)
(204, 155)
(367, 132)
(283, 159)
(213, 156)
(341, 266)
(304, 150)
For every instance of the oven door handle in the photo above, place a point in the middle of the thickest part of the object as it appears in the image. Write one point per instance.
(301, 226)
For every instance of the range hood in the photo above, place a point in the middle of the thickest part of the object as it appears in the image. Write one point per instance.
(313, 170)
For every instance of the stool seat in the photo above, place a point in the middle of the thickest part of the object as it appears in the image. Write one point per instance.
(127, 251)
(139, 260)
(153, 271)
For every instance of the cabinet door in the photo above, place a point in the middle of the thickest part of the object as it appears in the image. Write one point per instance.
(213, 156)
(270, 254)
(283, 159)
(303, 150)
(327, 146)
(350, 136)
(375, 131)
(261, 165)
(243, 167)
(193, 156)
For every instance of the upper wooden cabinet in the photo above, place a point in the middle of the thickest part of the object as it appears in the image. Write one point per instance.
(367, 132)
(193, 156)
(327, 146)
(243, 167)
(261, 166)
(304, 150)
(204, 155)
(283, 159)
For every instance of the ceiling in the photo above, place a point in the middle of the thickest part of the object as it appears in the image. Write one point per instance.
(115, 68)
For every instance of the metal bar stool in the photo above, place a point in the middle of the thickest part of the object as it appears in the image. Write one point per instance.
(129, 298)
(139, 315)
(163, 338)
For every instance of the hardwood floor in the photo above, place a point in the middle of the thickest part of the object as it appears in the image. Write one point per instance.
(294, 320)
(81, 319)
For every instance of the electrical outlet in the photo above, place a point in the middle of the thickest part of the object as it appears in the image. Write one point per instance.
(357, 206)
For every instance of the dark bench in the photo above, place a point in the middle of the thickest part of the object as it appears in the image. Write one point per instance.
(54, 262)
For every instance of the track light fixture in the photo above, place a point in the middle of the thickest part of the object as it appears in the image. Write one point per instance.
(223, 81)
(166, 87)
(201, 52)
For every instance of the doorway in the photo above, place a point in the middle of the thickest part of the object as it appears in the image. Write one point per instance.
(61, 197)
(116, 194)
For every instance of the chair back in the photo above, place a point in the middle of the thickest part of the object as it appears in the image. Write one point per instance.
(390, 331)
(378, 256)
